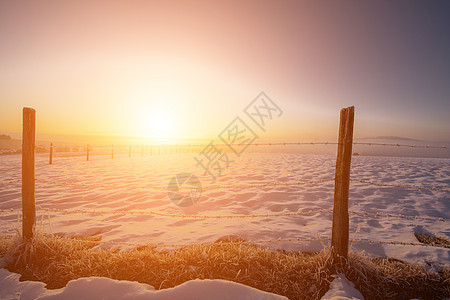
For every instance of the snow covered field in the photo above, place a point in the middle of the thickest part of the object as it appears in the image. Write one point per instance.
(72, 183)
(123, 183)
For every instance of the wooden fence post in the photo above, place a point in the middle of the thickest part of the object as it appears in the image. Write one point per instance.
(112, 151)
(51, 154)
(339, 238)
(87, 152)
(28, 184)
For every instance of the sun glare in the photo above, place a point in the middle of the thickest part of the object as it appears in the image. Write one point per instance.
(161, 124)
(158, 124)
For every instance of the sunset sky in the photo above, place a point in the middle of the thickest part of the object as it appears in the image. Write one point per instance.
(188, 68)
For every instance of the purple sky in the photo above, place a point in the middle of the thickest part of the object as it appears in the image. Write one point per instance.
(107, 67)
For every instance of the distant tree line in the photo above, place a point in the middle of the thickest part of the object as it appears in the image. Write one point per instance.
(4, 137)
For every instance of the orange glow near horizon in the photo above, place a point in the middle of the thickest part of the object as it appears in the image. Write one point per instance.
(185, 71)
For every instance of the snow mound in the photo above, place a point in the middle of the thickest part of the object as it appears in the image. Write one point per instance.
(11, 288)
(106, 288)
(342, 289)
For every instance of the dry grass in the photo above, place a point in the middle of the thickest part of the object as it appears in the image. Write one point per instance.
(56, 260)
(432, 240)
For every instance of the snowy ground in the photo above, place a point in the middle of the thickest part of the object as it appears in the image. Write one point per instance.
(101, 173)
(103, 183)
(106, 288)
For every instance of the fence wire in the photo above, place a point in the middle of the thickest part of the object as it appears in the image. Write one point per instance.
(251, 242)
(402, 145)
(231, 186)
(235, 186)
(160, 214)
(253, 144)
(204, 244)
(106, 186)
(10, 210)
(411, 187)
(362, 213)
(400, 243)
(253, 216)
(10, 182)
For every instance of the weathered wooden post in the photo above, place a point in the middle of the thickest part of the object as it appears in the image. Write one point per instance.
(339, 238)
(87, 152)
(28, 183)
(112, 151)
(51, 154)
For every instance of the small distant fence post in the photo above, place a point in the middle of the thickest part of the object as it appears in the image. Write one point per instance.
(87, 152)
(28, 183)
(112, 151)
(339, 238)
(50, 161)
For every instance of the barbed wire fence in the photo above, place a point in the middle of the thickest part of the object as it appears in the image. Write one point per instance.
(252, 216)
(173, 149)
(86, 150)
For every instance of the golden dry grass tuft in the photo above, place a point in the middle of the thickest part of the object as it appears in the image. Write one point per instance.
(55, 260)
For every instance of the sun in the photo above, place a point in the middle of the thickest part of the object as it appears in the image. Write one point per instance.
(158, 124)
(161, 124)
